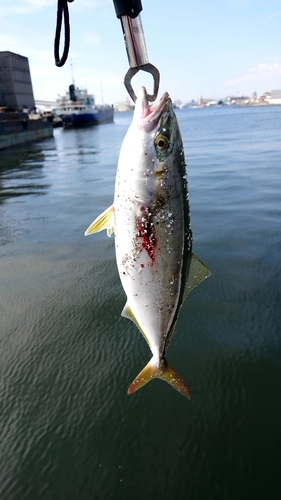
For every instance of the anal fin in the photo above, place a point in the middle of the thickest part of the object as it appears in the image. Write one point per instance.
(128, 313)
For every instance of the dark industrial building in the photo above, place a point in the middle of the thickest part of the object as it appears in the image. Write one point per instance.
(15, 82)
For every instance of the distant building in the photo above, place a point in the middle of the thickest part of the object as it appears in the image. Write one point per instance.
(275, 97)
(202, 101)
(276, 94)
(240, 100)
(15, 82)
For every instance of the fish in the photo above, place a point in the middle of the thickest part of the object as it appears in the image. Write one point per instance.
(150, 217)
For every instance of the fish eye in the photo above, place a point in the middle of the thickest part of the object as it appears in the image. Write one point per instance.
(162, 142)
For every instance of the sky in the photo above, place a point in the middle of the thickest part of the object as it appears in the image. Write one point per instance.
(201, 48)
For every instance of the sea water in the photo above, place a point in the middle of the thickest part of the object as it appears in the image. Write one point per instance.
(68, 430)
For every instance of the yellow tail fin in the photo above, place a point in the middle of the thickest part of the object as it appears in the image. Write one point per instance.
(163, 370)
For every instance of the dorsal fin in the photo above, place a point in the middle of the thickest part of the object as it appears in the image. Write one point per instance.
(197, 273)
(103, 221)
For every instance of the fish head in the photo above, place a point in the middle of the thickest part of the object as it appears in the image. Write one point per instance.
(146, 116)
(159, 122)
(151, 159)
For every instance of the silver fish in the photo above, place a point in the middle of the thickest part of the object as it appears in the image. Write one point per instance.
(153, 239)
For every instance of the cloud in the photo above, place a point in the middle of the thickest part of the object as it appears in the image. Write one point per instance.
(23, 6)
(85, 5)
(91, 39)
(38, 4)
(74, 7)
(262, 71)
(8, 8)
(272, 16)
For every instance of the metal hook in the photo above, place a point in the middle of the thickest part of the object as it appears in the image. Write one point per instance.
(149, 68)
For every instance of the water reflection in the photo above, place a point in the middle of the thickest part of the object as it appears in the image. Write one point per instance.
(21, 172)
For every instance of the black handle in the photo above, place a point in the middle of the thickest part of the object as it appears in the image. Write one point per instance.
(130, 8)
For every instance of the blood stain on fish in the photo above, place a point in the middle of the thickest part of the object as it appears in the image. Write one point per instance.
(146, 231)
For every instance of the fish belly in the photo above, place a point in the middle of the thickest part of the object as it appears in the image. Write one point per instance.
(149, 247)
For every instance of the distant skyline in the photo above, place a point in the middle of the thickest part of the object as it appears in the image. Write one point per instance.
(228, 47)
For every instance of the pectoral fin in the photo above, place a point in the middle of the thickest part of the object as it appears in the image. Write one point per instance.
(103, 221)
(197, 272)
(160, 369)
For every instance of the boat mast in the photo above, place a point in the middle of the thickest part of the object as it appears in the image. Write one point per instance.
(71, 66)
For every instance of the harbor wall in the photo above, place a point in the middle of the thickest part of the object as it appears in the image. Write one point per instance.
(21, 129)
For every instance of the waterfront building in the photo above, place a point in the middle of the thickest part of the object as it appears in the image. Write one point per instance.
(16, 90)
(275, 97)
(276, 94)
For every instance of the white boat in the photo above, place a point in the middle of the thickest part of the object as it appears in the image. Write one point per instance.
(78, 108)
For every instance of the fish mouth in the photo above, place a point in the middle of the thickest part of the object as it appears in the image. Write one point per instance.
(148, 115)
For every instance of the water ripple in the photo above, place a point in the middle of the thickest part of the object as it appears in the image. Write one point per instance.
(68, 430)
